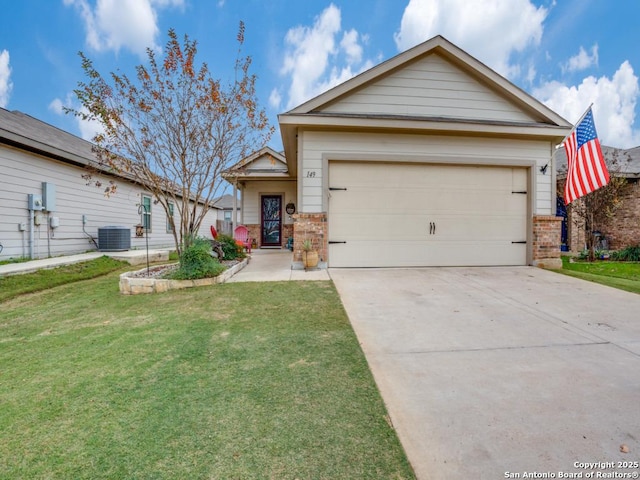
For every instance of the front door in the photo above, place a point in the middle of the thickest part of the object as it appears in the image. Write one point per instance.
(271, 226)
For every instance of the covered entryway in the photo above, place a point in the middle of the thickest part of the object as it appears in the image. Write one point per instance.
(410, 214)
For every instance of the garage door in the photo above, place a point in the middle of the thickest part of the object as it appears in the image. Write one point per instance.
(396, 215)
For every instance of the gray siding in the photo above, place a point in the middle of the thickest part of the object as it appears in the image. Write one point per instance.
(431, 87)
(22, 173)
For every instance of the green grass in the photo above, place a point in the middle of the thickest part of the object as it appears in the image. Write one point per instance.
(14, 260)
(13, 285)
(236, 381)
(622, 275)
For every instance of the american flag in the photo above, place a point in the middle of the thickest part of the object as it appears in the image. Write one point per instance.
(586, 169)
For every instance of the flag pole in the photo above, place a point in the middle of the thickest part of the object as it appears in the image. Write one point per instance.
(575, 126)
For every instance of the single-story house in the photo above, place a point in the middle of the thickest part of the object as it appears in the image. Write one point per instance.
(427, 159)
(225, 206)
(622, 229)
(48, 209)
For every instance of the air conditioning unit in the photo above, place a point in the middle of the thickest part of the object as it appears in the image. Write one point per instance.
(114, 239)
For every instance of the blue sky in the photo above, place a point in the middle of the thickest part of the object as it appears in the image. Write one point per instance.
(567, 53)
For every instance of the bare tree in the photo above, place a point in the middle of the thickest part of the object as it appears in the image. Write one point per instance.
(593, 211)
(174, 128)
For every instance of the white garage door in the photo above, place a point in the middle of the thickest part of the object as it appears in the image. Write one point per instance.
(393, 215)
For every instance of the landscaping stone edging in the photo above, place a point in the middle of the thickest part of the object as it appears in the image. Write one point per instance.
(130, 285)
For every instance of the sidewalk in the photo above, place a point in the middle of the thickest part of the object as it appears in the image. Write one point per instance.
(134, 257)
(273, 266)
(264, 266)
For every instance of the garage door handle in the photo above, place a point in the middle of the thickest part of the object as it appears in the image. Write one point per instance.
(521, 241)
(333, 242)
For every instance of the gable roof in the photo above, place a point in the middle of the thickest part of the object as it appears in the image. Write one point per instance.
(225, 202)
(264, 163)
(536, 119)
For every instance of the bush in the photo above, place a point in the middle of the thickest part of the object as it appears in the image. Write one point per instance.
(196, 262)
(628, 254)
(229, 247)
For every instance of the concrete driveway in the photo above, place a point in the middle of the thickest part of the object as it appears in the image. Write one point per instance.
(493, 372)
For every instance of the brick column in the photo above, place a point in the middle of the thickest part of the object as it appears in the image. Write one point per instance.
(547, 231)
(310, 226)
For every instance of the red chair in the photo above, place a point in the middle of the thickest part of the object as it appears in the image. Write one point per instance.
(241, 236)
(214, 232)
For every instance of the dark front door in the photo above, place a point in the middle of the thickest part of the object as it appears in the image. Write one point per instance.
(271, 231)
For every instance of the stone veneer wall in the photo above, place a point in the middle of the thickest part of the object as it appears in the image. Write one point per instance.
(546, 241)
(312, 226)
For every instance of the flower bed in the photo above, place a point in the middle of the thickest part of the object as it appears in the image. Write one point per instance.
(136, 283)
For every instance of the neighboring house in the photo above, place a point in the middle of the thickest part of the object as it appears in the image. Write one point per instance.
(267, 192)
(224, 204)
(430, 158)
(623, 228)
(40, 160)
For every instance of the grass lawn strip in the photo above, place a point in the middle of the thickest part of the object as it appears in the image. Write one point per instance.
(254, 380)
(621, 275)
(12, 286)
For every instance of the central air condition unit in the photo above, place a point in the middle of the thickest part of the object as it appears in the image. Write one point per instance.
(114, 239)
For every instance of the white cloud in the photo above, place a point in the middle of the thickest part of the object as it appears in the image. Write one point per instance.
(275, 99)
(314, 61)
(614, 101)
(56, 106)
(117, 24)
(5, 78)
(351, 46)
(490, 30)
(582, 60)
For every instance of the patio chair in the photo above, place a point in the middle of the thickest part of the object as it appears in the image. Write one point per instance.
(241, 236)
(214, 232)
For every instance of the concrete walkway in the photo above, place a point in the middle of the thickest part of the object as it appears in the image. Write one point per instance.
(134, 257)
(500, 372)
(264, 266)
(268, 265)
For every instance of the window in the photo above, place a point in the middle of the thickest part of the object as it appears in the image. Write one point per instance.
(169, 226)
(146, 213)
(227, 215)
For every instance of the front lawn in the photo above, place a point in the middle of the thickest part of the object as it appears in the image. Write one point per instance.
(236, 381)
(622, 275)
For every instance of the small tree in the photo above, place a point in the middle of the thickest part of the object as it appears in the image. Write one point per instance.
(592, 211)
(174, 128)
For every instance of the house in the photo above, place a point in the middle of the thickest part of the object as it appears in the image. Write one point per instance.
(623, 228)
(48, 209)
(428, 159)
(225, 207)
(268, 195)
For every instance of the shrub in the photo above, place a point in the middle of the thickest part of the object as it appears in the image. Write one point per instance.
(628, 254)
(229, 247)
(196, 262)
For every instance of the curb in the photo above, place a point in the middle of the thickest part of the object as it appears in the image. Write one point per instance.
(137, 286)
